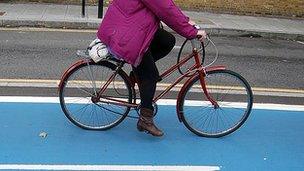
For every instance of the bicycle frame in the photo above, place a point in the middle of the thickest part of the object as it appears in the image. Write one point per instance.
(197, 68)
(90, 91)
(192, 72)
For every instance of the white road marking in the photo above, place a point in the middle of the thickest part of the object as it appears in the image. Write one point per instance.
(106, 167)
(267, 106)
(177, 47)
(300, 42)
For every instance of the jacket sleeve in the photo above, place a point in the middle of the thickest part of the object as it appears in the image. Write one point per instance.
(170, 14)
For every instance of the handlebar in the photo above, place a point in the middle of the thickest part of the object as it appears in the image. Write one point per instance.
(197, 27)
(202, 48)
(193, 41)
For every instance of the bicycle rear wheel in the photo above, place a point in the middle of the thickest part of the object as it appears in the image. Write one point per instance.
(81, 86)
(233, 95)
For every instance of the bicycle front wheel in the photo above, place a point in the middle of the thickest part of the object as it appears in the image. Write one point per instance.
(79, 91)
(233, 95)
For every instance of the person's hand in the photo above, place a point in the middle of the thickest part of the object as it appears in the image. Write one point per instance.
(201, 34)
(110, 1)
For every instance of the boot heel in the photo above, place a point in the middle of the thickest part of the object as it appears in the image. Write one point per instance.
(145, 123)
(140, 129)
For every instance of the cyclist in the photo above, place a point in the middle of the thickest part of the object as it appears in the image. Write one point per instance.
(131, 31)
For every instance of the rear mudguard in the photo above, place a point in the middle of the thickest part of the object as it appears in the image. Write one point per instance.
(73, 66)
(90, 61)
(183, 89)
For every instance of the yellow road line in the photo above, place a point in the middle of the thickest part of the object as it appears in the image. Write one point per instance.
(283, 90)
(256, 89)
(163, 85)
(29, 80)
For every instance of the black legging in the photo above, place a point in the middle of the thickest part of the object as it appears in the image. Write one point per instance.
(147, 72)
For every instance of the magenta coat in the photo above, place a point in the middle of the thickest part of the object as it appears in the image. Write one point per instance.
(129, 26)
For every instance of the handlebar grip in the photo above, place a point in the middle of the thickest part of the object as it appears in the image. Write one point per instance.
(197, 27)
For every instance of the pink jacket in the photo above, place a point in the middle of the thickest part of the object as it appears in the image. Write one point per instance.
(129, 26)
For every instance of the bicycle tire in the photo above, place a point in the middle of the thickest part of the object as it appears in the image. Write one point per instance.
(92, 118)
(234, 96)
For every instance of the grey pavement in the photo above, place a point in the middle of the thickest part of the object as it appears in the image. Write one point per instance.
(69, 16)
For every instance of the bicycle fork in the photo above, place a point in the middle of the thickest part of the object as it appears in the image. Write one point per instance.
(202, 74)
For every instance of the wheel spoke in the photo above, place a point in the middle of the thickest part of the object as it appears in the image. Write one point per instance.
(234, 97)
(83, 82)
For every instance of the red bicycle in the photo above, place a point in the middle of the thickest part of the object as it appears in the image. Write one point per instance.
(213, 101)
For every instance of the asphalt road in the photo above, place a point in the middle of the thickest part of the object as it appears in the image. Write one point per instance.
(47, 136)
(45, 54)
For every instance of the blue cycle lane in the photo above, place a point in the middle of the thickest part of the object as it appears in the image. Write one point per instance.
(271, 139)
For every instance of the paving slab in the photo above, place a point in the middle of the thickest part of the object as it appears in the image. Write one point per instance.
(69, 16)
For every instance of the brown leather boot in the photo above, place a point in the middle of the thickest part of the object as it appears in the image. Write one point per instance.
(145, 123)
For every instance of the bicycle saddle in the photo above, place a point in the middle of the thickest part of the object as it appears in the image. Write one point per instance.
(111, 57)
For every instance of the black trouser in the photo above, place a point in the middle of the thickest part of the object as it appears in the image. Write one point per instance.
(147, 72)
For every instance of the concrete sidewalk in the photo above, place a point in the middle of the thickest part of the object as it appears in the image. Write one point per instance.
(69, 16)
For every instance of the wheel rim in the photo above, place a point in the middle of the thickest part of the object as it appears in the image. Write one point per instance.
(233, 97)
(79, 91)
